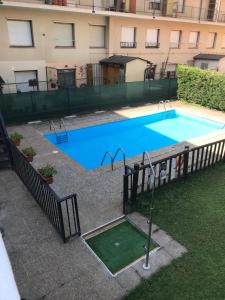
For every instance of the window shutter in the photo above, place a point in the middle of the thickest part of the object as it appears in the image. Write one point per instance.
(64, 35)
(223, 41)
(152, 36)
(193, 38)
(97, 36)
(20, 33)
(211, 40)
(128, 34)
(175, 38)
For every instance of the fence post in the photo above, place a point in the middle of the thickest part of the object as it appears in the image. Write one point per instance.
(125, 189)
(135, 183)
(169, 88)
(186, 159)
(77, 215)
(61, 222)
(68, 100)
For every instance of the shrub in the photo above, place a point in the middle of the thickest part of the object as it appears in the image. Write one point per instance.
(16, 136)
(29, 151)
(47, 171)
(204, 87)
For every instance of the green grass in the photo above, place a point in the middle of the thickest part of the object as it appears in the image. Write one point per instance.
(119, 246)
(193, 212)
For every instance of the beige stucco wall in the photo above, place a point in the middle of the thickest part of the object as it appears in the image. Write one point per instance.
(183, 55)
(135, 70)
(44, 48)
(7, 69)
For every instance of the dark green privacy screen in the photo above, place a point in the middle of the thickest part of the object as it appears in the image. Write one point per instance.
(30, 106)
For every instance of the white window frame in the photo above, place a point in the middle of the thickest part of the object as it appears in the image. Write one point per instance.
(212, 46)
(30, 44)
(72, 35)
(196, 43)
(176, 45)
(148, 42)
(104, 37)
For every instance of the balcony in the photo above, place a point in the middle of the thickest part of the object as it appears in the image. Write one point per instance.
(95, 5)
(174, 10)
(128, 44)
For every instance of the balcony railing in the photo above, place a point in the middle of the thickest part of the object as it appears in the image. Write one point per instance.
(174, 10)
(152, 45)
(128, 44)
(149, 8)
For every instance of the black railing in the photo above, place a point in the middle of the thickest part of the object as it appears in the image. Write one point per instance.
(139, 178)
(128, 44)
(152, 45)
(62, 212)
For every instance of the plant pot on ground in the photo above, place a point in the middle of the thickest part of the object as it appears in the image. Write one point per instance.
(29, 153)
(47, 172)
(16, 138)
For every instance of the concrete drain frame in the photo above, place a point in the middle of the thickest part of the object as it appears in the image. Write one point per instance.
(113, 225)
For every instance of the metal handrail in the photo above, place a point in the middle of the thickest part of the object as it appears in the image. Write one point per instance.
(161, 103)
(61, 125)
(111, 158)
(124, 155)
(167, 102)
(150, 163)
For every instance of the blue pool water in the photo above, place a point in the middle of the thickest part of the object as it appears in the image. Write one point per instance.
(87, 146)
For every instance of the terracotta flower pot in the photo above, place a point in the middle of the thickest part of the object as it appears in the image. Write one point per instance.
(15, 142)
(48, 180)
(28, 158)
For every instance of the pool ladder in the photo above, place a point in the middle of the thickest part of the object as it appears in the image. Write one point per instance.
(61, 136)
(112, 158)
(165, 104)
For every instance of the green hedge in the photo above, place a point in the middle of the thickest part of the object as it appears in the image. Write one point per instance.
(202, 87)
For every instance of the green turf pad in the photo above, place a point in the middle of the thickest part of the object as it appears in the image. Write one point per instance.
(119, 246)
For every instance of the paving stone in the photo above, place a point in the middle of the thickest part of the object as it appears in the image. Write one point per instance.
(175, 249)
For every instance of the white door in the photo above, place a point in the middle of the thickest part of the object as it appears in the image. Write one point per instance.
(22, 81)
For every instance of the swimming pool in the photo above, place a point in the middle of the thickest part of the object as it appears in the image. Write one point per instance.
(87, 146)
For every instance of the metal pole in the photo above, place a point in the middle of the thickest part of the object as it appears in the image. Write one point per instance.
(146, 265)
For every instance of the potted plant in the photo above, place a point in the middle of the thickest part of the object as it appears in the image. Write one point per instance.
(47, 173)
(29, 153)
(16, 138)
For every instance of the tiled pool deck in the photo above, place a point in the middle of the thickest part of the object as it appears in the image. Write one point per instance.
(44, 267)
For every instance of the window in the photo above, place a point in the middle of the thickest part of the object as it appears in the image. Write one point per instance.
(194, 39)
(223, 41)
(128, 36)
(175, 38)
(180, 6)
(20, 33)
(26, 81)
(211, 42)
(154, 4)
(64, 35)
(204, 65)
(97, 36)
(152, 38)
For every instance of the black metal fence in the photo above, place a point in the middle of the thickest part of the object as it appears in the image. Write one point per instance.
(62, 212)
(139, 178)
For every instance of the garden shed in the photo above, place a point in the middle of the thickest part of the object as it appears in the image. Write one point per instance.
(214, 62)
(119, 68)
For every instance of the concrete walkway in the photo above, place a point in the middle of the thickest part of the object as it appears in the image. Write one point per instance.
(45, 268)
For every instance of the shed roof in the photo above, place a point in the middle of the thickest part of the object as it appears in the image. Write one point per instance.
(120, 59)
(203, 56)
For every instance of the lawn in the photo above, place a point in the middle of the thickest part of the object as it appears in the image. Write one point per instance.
(193, 212)
(119, 246)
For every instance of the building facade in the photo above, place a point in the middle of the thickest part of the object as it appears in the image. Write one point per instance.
(53, 41)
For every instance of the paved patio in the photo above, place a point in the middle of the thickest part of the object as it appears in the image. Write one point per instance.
(45, 268)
